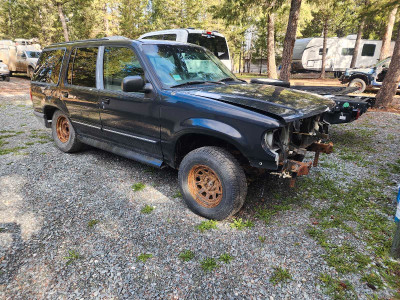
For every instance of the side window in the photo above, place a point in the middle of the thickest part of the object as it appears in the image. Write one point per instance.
(368, 50)
(49, 66)
(170, 37)
(322, 49)
(348, 51)
(119, 62)
(82, 67)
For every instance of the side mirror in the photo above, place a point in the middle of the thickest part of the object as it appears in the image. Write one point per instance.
(132, 84)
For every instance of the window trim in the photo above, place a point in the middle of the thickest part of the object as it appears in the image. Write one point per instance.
(62, 62)
(73, 52)
(101, 75)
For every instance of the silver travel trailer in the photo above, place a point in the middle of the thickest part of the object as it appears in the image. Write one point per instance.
(307, 54)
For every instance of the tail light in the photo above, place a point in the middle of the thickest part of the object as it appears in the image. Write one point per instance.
(358, 113)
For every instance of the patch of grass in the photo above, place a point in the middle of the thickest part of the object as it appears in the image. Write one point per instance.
(92, 223)
(338, 289)
(2, 229)
(352, 157)
(208, 264)
(226, 258)
(178, 195)
(138, 186)
(186, 255)
(394, 168)
(73, 255)
(262, 238)
(144, 257)
(373, 281)
(147, 209)
(5, 151)
(239, 224)
(29, 143)
(280, 275)
(207, 225)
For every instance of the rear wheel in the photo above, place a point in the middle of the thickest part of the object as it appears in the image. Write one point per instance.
(212, 182)
(64, 134)
(358, 83)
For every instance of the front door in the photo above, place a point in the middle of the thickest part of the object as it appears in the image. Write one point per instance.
(128, 119)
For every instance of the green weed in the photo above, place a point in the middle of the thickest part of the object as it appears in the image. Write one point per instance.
(226, 258)
(207, 225)
(147, 209)
(144, 257)
(280, 275)
(208, 264)
(73, 255)
(239, 224)
(186, 255)
(138, 187)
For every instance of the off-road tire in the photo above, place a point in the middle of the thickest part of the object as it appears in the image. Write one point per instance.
(358, 82)
(231, 177)
(72, 144)
(7, 78)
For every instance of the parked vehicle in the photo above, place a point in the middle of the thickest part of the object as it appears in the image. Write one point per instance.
(367, 78)
(307, 54)
(212, 40)
(4, 72)
(20, 56)
(173, 104)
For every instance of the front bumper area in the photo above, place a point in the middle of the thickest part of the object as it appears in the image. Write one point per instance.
(293, 168)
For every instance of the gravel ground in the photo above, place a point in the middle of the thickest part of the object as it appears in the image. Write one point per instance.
(48, 198)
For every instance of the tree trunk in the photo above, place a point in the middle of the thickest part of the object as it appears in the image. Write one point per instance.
(357, 45)
(387, 37)
(290, 39)
(106, 21)
(10, 19)
(271, 64)
(63, 22)
(261, 59)
(240, 61)
(391, 82)
(324, 49)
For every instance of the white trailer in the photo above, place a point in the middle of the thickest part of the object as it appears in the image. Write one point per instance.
(307, 54)
(20, 55)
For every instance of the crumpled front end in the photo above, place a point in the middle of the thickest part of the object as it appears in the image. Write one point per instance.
(291, 143)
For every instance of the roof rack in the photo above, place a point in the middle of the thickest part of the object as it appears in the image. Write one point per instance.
(109, 38)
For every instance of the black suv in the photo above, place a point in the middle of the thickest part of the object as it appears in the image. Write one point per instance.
(171, 104)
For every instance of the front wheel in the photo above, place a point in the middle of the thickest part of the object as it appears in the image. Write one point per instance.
(64, 134)
(212, 182)
(359, 84)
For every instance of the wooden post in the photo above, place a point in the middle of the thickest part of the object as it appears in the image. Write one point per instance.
(395, 252)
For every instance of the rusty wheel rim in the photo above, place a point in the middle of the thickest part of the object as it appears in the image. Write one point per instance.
(62, 127)
(358, 85)
(205, 186)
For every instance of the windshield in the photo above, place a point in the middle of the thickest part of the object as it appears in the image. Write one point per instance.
(33, 54)
(383, 63)
(180, 64)
(216, 44)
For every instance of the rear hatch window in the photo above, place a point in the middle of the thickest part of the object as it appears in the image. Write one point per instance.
(216, 44)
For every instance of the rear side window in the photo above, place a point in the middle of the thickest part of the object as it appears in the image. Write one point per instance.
(368, 50)
(82, 67)
(49, 66)
(216, 44)
(170, 37)
(119, 62)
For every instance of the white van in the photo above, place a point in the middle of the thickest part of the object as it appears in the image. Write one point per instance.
(212, 40)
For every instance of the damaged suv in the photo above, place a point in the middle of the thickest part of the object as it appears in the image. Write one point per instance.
(171, 104)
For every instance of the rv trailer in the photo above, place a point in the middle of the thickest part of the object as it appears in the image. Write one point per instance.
(307, 54)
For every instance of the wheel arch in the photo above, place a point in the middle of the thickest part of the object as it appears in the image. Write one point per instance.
(361, 76)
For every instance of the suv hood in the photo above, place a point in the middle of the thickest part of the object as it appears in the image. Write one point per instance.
(279, 102)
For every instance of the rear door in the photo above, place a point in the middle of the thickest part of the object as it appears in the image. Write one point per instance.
(46, 77)
(80, 91)
(128, 119)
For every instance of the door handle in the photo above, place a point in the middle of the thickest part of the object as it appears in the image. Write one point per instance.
(104, 102)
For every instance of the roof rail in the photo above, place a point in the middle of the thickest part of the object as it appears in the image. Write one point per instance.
(110, 38)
